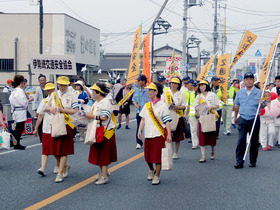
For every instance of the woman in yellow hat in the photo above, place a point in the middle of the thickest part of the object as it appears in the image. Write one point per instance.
(106, 152)
(63, 146)
(176, 102)
(46, 137)
(206, 96)
(154, 130)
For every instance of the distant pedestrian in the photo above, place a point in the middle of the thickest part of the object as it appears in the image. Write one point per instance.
(104, 153)
(140, 98)
(8, 87)
(246, 104)
(125, 106)
(154, 130)
(267, 127)
(19, 105)
(2, 124)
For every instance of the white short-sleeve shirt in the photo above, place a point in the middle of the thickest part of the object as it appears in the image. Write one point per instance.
(211, 99)
(180, 100)
(47, 116)
(163, 114)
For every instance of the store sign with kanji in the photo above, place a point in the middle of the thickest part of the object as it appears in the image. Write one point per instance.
(65, 65)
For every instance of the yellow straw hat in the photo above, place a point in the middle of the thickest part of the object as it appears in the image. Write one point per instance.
(95, 87)
(49, 86)
(63, 80)
(175, 80)
(203, 82)
(152, 86)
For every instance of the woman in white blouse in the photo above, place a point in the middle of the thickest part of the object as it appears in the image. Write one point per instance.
(176, 102)
(212, 103)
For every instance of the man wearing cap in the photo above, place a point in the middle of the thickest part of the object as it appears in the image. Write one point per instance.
(246, 104)
(9, 87)
(140, 98)
(38, 97)
(216, 89)
(161, 80)
(190, 114)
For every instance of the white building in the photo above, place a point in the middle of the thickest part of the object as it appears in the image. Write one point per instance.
(62, 35)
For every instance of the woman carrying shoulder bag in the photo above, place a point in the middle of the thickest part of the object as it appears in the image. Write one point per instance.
(67, 105)
(211, 102)
(155, 117)
(102, 154)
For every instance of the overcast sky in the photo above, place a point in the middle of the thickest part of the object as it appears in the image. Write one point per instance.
(118, 20)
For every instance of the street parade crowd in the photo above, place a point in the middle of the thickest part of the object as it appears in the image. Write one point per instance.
(167, 112)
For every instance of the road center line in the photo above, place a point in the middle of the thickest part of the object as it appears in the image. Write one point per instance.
(80, 185)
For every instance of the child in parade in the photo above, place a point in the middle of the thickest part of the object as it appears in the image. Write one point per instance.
(155, 117)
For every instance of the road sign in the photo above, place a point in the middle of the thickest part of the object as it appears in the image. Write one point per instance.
(53, 64)
(188, 66)
(210, 73)
(258, 53)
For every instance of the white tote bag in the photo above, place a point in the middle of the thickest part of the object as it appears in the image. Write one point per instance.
(58, 126)
(166, 157)
(91, 131)
(4, 139)
(208, 123)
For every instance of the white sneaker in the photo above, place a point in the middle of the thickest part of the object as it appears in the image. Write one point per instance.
(99, 175)
(138, 146)
(151, 175)
(102, 180)
(156, 180)
(66, 170)
(41, 171)
(175, 156)
(58, 178)
(56, 170)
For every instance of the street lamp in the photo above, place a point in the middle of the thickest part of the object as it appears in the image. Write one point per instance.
(191, 41)
(161, 26)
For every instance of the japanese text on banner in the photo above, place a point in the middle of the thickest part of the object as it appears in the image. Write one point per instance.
(222, 74)
(206, 69)
(133, 70)
(146, 58)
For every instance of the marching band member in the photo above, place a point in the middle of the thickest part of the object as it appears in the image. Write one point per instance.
(176, 102)
(155, 117)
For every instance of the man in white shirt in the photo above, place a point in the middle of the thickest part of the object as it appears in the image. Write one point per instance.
(277, 83)
(19, 105)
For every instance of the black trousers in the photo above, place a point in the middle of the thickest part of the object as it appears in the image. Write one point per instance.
(244, 127)
(40, 131)
(138, 118)
(19, 129)
(218, 122)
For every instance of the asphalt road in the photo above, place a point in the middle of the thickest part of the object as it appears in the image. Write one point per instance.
(190, 185)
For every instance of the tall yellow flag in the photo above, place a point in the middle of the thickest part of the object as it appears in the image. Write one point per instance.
(222, 74)
(172, 66)
(267, 62)
(246, 42)
(133, 70)
(206, 69)
(146, 58)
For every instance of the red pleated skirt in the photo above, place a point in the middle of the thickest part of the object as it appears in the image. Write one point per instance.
(178, 134)
(152, 149)
(103, 154)
(63, 145)
(46, 144)
(209, 138)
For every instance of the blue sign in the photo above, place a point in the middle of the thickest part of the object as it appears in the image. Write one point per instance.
(188, 66)
(258, 53)
(210, 73)
(240, 77)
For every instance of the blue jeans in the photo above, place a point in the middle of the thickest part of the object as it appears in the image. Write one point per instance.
(244, 127)
(138, 118)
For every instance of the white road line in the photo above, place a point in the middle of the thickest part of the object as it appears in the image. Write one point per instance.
(35, 145)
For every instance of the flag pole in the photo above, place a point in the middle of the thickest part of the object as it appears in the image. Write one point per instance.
(252, 130)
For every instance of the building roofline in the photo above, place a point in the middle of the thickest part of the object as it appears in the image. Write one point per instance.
(2, 13)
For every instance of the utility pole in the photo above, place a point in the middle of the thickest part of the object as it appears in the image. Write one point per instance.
(41, 21)
(215, 33)
(184, 42)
